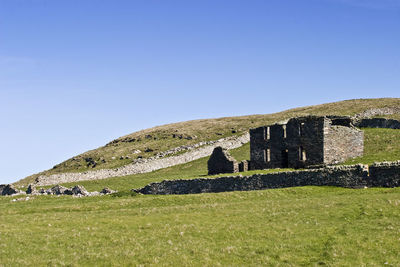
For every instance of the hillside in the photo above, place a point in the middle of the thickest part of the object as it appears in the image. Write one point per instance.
(149, 142)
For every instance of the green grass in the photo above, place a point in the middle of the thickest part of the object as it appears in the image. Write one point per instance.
(305, 226)
(379, 145)
(202, 130)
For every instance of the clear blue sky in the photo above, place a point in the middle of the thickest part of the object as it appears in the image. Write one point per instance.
(75, 74)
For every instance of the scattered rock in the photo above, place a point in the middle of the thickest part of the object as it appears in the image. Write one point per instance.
(90, 162)
(136, 151)
(58, 190)
(31, 189)
(106, 191)
(79, 190)
(21, 199)
(8, 190)
(148, 136)
(148, 150)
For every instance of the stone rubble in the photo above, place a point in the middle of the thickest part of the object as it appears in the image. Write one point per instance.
(77, 191)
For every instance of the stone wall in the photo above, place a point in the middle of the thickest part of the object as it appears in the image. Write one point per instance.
(354, 176)
(379, 123)
(385, 174)
(341, 143)
(145, 165)
(222, 162)
(258, 137)
(346, 176)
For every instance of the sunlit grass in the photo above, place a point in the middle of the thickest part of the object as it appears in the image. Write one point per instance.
(293, 226)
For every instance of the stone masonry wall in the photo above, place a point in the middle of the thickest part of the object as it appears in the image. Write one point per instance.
(385, 174)
(379, 123)
(146, 165)
(354, 176)
(346, 176)
(341, 143)
(221, 162)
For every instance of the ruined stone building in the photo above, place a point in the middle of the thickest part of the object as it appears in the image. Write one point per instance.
(222, 162)
(305, 141)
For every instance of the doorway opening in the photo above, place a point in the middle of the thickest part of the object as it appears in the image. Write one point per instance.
(285, 158)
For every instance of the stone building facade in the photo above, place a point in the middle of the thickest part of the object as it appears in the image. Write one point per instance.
(305, 141)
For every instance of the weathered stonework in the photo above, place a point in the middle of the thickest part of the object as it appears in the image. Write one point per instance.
(305, 141)
(346, 176)
(244, 166)
(384, 174)
(353, 176)
(222, 162)
(379, 123)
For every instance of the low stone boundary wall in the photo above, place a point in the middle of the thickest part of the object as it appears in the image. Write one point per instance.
(353, 176)
(378, 123)
(385, 174)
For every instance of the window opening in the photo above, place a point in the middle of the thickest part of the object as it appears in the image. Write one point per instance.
(284, 131)
(302, 154)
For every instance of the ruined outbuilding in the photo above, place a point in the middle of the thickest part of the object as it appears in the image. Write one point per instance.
(222, 162)
(305, 141)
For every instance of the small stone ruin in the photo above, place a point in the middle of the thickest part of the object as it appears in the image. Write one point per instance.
(222, 162)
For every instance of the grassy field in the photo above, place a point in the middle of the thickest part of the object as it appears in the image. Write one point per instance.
(161, 138)
(283, 227)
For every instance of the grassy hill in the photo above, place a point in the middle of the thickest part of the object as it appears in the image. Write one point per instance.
(124, 150)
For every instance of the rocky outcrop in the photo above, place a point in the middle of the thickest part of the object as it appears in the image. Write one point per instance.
(145, 165)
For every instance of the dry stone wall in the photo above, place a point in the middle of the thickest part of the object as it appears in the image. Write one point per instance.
(353, 176)
(385, 174)
(379, 123)
(144, 166)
